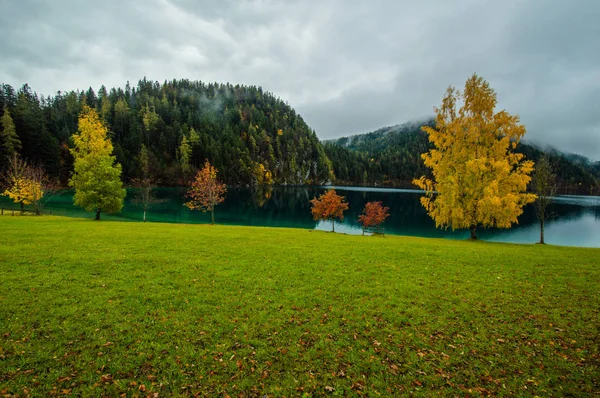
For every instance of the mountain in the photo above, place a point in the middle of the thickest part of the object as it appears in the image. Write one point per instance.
(249, 135)
(391, 156)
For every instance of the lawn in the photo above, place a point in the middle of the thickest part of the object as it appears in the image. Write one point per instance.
(107, 308)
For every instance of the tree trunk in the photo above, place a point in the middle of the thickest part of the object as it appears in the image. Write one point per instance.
(97, 214)
(144, 215)
(22, 208)
(212, 216)
(542, 230)
(332, 225)
(473, 232)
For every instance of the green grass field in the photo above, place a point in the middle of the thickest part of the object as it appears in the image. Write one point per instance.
(108, 308)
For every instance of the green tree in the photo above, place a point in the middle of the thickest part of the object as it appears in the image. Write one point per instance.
(9, 140)
(96, 177)
(122, 119)
(105, 106)
(185, 155)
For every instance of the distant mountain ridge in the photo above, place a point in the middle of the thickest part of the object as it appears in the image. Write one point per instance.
(357, 140)
(391, 156)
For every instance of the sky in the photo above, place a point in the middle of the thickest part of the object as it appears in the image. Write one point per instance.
(347, 67)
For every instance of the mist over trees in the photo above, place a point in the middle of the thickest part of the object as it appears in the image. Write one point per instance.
(251, 136)
(390, 156)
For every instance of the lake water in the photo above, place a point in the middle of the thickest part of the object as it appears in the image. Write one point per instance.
(575, 221)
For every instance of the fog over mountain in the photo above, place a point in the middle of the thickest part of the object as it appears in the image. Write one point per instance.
(345, 66)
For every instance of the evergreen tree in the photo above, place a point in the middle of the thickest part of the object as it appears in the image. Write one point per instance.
(9, 140)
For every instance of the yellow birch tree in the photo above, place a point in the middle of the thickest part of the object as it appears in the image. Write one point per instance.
(478, 180)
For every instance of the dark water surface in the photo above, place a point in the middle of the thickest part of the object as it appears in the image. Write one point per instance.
(575, 222)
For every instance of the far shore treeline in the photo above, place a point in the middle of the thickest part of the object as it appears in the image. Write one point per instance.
(251, 136)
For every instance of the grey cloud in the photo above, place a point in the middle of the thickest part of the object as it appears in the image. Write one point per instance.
(346, 66)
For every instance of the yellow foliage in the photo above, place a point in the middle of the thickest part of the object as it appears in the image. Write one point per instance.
(477, 179)
(91, 139)
(25, 191)
(279, 132)
(263, 175)
(268, 177)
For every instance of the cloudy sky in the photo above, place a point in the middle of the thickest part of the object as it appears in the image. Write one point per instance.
(346, 66)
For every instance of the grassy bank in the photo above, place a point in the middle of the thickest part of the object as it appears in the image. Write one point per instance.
(106, 308)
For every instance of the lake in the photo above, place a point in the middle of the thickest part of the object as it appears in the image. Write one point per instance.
(575, 220)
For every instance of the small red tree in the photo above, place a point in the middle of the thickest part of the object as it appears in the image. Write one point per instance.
(206, 191)
(373, 215)
(329, 206)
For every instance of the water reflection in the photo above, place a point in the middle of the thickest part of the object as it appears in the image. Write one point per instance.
(575, 221)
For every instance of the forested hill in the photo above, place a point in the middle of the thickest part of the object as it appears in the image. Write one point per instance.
(251, 136)
(391, 156)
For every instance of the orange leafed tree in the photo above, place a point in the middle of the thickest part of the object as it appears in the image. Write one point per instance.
(373, 215)
(206, 191)
(329, 206)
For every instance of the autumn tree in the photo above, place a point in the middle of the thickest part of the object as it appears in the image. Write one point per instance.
(544, 186)
(96, 176)
(374, 214)
(329, 206)
(42, 187)
(24, 192)
(26, 184)
(206, 191)
(16, 184)
(477, 178)
(262, 176)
